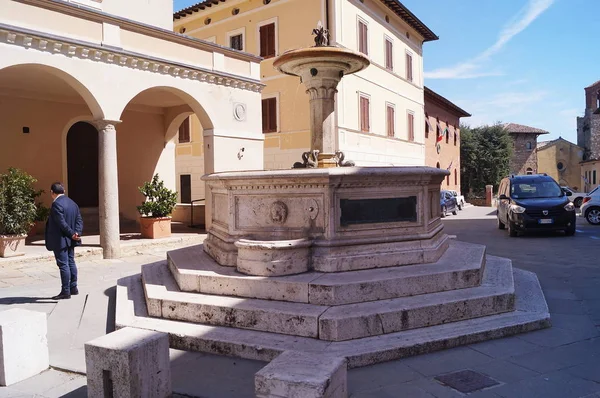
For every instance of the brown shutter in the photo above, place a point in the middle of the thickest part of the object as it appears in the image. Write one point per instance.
(389, 58)
(409, 67)
(267, 40)
(269, 115)
(184, 131)
(263, 40)
(426, 126)
(411, 127)
(265, 115)
(390, 121)
(364, 114)
(363, 42)
(455, 177)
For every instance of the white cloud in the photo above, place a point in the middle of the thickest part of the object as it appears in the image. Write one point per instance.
(472, 68)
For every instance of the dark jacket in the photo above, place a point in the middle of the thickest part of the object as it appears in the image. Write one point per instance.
(64, 221)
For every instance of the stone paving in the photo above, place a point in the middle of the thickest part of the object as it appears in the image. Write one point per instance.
(561, 362)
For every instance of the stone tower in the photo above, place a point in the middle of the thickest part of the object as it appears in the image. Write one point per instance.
(588, 126)
(524, 158)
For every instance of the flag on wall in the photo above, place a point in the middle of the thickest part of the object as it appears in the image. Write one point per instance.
(450, 166)
(585, 180)
(442, 134)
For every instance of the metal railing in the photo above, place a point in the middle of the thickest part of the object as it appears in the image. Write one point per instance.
(192, 225)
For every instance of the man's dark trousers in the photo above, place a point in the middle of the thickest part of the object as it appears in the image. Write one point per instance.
(65, 259)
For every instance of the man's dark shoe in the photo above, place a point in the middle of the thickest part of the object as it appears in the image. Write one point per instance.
(62, 296)
(74, 291)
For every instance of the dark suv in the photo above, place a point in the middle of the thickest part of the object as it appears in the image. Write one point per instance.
(534, 202)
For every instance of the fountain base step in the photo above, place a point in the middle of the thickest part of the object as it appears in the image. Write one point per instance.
(461, 266)
(332, 323)
(531, 313)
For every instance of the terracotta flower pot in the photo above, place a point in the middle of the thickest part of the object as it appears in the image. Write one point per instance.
(12, 245)
(154, 228)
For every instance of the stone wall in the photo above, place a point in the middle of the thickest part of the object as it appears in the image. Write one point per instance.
(594, 148)
(524, 158)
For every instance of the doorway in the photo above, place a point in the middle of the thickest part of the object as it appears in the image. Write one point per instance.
(82, 164)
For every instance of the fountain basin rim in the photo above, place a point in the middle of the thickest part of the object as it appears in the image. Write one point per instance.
(332, 172)
(342, 58)
(274, 244)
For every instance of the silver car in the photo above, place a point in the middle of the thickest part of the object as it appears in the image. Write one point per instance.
(590, 208)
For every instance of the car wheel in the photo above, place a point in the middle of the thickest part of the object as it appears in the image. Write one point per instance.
(444, 211)
(570, 231)
(593, 215)
(501, 225)
(577, 202)
(512, 232)
(454, 212)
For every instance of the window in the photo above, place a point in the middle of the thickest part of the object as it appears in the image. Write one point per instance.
(447, 130)
(528, 145)
(427, 126)
(269, 115)
(267, 40)
(389, 54)
(185, 188)
(184, 131)
(448, 180)
(455, 136)
(391, 120)
(455, 177)
(363, 38)
(237, 42)
(529, 171)
(364, 114)
(437, 165)
(560, 166)
(409, 67)
(411, 126)
(594, 177)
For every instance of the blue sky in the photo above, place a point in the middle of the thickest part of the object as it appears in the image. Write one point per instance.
(519, 61)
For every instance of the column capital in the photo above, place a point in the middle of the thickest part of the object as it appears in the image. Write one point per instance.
(103, 124)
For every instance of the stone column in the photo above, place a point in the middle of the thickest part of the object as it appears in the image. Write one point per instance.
(108, 188)
(322, 88)
(489, 195)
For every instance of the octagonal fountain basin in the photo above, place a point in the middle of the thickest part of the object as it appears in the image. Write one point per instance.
(273, 257)
(310, 62)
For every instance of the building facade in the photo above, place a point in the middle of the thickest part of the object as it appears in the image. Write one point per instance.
(561, 160)
(378, 110)
(524, 159)
(442, 136)
(588, 137)
(92, 94)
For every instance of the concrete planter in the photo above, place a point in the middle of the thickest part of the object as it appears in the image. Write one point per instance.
(12, 245)
(273, 258)
(155, 228)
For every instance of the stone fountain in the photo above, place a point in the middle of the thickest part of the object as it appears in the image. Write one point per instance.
(344, 261)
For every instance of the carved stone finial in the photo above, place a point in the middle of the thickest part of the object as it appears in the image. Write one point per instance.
(321, 35)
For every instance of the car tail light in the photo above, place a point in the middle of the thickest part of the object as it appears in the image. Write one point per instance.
(587, 199)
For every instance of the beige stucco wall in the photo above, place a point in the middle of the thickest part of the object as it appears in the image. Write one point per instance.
(590, 167)
(570, 155)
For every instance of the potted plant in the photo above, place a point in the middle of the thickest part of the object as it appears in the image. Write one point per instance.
(18, 211)
(155, 212)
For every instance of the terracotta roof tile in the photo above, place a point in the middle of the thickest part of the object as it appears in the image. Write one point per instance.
(515, 128)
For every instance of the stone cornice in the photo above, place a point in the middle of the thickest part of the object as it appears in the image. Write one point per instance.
(72, 48)
(147, 30)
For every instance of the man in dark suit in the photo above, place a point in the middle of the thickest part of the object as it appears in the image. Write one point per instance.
(63, 232)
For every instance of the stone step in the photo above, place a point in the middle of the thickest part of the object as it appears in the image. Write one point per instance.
(353, 321)
(337, 323)
(165, 300)
(531, 314)
(460, 267)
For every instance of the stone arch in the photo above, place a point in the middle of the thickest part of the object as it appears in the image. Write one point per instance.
(85, 93)
(196, 107)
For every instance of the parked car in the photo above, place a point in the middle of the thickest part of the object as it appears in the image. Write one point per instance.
(460, 199)
(448, 203)
(590, 209)
(576, 197)
(534, 202)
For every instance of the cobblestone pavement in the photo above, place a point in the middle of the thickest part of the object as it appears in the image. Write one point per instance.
(561, 362)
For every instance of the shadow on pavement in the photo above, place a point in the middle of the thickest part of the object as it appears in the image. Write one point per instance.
(111, 293)
(81, 392)
(27, 300)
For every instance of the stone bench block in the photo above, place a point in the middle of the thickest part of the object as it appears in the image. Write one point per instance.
(296, 374)
(23, 345)
(129, 363)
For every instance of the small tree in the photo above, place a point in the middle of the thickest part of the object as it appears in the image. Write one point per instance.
(485, 157)
(160, 200)
(18, 210)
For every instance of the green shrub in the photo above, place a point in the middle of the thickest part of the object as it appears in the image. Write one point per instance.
(18, 210)
(160, 200)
